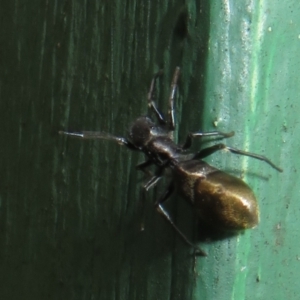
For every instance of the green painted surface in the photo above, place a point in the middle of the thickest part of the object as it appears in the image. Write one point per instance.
(70, 210)
(252, 86)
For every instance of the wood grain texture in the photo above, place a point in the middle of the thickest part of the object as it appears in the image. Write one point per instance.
(70, 210)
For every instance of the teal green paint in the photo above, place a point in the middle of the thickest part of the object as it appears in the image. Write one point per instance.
(260, 118)
(243, 249)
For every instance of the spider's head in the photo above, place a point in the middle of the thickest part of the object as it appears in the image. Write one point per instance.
(143, 130)
(140, 131)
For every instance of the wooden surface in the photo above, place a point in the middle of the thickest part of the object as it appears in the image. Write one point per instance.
(70, 210)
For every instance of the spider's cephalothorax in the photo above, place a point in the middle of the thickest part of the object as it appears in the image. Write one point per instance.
(223, 200)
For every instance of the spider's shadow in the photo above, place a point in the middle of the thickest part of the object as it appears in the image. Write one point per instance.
(206, 232)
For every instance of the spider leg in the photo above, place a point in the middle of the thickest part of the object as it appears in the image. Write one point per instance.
(161, 210)
(151, 99)
(210, 150)
(94, 135)
(171, 111)
(190, 136)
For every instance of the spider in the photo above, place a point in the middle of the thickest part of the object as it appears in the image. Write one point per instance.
(223, 200)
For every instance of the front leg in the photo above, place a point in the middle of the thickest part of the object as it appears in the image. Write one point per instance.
(94, 135)
(171, 110)
(151, 99)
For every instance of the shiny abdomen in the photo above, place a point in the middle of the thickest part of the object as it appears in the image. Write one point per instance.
(223, 200)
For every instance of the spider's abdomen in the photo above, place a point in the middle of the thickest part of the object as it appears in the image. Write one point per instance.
(223, 200)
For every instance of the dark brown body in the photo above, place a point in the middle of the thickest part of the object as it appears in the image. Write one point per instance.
(220, 199)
